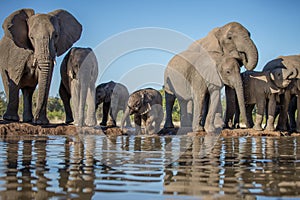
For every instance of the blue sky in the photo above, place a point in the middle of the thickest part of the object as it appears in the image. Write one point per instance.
(274, 27)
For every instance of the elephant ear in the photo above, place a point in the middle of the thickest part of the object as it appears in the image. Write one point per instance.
(15, 27)
(210, 43)
(70, 30)
(206, 65)
(291, 62)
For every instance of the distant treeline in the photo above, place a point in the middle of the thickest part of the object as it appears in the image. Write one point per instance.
(56, 110)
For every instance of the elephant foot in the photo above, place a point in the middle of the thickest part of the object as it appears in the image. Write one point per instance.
(270, 128)
(11, 117)
(169, 125)
(198, 128)
(69, 120)
(103, 124)
(210, 129)
(112, 123)
(41, 121)
(257, 128)
(91, 122)
(281, 128)
(27, 118)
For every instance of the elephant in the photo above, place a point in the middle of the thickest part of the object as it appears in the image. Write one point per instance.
(195, 71)
(114, 97)
(79, 72)
(146, 105)
(261, 89)
(28, 50)
(291, 63)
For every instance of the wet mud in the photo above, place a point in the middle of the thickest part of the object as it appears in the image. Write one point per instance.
(19, 128)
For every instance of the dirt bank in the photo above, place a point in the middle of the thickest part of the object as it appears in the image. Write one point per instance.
(17, 128)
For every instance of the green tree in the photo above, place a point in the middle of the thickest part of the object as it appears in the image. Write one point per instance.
(3, 103)
(176, 108)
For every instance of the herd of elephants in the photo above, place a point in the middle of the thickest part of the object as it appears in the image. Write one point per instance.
(195, 77)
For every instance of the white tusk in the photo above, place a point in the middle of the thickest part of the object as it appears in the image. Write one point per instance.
(54, 62)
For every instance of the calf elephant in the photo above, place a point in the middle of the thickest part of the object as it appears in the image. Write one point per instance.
(28, 50)
(291, 63)
(114, 97)
(79, 72)
(146, 105)
(192, 73)
(260, 88)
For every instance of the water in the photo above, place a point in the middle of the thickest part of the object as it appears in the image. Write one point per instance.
(128, 167)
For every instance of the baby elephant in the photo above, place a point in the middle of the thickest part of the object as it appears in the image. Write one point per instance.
(146, 105)
(79, 71)
(114, 97)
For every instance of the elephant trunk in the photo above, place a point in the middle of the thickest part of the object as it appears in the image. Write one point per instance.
(125, 115)
(241, 100)
(250, 58)
(291, 74)
(44, 81)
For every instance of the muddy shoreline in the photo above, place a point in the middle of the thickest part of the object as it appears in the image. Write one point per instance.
(19, 128)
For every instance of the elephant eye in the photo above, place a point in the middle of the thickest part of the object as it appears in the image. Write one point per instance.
(228, 72)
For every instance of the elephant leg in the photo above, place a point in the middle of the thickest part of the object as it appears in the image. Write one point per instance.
(236, 120)
(149, 128)
(82, 103)
(292, 112)
(11, 113)
(27, 103)
(66, 97)
(170, 99)
(105, 108)
(127, 119)
(198, 112)
(260, 113)
(230, 106)
(185, 119)
(75, 99)
(91, 102)
(249, 109)
(283, 116)
(214, 103)
(298, 114)
(159, 119)
(205, 110)
(271, 113)
(113, 113)
(218, 121)
(138, 123)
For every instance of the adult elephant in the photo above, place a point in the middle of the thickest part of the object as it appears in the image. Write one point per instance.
(202, 59)
(28, 50)
(291, 63)
(79, 72)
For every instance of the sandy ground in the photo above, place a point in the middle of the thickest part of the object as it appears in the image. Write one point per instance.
(18, 128)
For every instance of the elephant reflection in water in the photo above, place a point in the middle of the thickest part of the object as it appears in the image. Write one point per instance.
(82, 179)
(235, 167)
(33, 169)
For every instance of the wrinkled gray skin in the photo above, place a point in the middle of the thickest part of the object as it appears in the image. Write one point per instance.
(146, 105)
(114, 97)
(291, 63)
(28, 50)
(260, 88)
(194, 72)
(79, 72)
